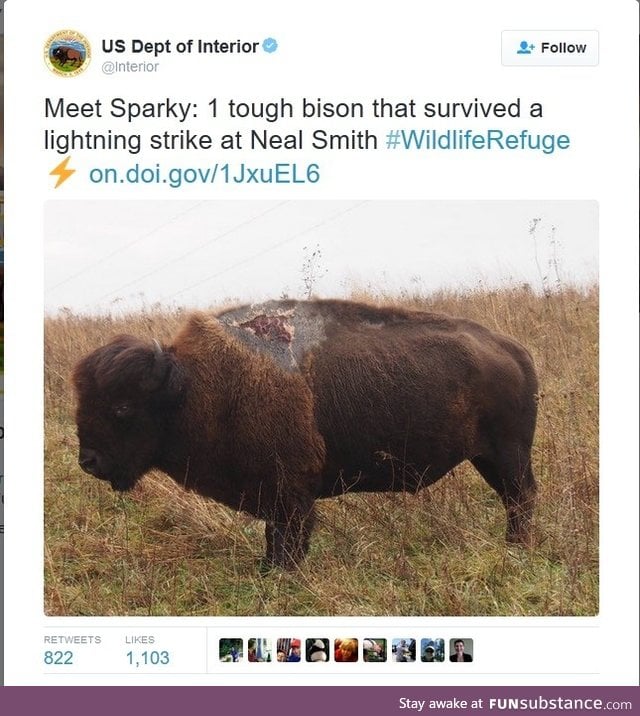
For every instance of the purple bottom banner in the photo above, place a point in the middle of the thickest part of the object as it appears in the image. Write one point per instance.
(318, 700)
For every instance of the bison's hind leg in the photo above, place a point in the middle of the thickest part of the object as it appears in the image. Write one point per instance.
(512, 478)
(288, 535)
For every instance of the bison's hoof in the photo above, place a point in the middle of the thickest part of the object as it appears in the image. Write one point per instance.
(520, 540)
(266, 566)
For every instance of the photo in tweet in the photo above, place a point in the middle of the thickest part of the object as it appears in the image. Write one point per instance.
(377, 408)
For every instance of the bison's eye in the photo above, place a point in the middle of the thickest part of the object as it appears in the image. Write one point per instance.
(123, 410)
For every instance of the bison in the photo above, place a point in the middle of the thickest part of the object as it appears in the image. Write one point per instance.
(64, 54)
(267, 408)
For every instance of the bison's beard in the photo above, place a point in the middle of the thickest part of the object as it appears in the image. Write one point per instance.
(122, 483)
(99, 464)
(119, 483)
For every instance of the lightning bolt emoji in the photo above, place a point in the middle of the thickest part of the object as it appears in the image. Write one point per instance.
(62, 172)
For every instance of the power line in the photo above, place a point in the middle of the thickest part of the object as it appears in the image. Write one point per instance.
(119, 250)
(194, 250)
(267, 250)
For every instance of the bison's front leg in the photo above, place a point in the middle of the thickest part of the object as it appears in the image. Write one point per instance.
(288, 535)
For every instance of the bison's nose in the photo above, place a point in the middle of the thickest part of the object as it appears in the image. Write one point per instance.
(88, 460)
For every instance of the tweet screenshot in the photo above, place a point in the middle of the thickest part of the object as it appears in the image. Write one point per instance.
(322, 355)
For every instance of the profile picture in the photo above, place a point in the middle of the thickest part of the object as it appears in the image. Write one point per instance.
(259, 650)
(461, 650)
(374, 650)
(230, 650)
(432, 649)
(317, 650)
(345, 650)
(403, 650)
(288, 650)
(67, 53)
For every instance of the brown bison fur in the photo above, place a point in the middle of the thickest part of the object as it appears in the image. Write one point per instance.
(65, 54)
(266, 408)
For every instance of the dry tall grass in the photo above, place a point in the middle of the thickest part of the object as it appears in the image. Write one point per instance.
(161, 551)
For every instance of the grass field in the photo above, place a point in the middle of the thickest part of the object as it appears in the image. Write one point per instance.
(161, 551)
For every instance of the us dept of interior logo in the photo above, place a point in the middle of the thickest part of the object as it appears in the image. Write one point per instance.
(67, 53)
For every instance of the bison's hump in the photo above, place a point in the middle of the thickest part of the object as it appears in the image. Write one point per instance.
(284, 330)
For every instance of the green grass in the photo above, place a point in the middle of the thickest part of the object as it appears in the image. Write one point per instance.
(66, 66)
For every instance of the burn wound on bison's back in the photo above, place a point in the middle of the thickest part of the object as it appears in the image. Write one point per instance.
(286, 331)
(271, 328)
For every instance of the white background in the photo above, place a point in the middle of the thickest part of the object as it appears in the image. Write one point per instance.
(447, 51)
(115, 256)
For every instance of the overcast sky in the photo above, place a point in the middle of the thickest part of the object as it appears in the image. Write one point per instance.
(108, 255)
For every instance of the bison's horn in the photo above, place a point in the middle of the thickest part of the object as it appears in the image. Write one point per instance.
(159, 367)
